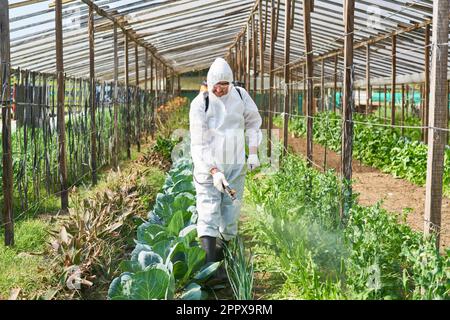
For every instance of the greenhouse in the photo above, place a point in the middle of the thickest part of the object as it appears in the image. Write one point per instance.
(225, 150)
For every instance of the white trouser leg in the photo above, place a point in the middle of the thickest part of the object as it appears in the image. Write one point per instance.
(231, 211)
(208, 208)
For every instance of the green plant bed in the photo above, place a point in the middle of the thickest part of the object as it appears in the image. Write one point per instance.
(376, 146)
(368, 256)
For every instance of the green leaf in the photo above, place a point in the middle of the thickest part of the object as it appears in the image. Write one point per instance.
(188, 234)
(149, 233)
(148, 259)
(176, 223)
(207, 271)
(162, 248)
(177, 252)
(120, 287)
(193, 292)
(179, 269)
(130, 266)
(195, 258)
(150, 284)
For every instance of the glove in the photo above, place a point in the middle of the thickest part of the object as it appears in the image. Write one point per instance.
(253, 162)
(219, 181)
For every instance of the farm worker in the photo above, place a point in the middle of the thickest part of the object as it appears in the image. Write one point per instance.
(220, 121)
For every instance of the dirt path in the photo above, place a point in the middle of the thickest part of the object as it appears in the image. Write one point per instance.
(373, 185)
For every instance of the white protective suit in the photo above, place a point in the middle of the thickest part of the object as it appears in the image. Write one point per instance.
(218, 140)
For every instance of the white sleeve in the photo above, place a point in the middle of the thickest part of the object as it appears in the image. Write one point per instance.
(253, 120)
(200, 139)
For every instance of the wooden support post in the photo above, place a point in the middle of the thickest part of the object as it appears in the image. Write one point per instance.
(146, 95)
(128, 104)
(115, 101)
(262, 39)
(322, 86)
(403, 109)
(61, 108)
(438, 119)
(336, 57)
(92, 96)
(179, 84)
(255, 56)
(307, 36)
(153, 101)
(151, 76)
(347, 107)
(385, 104)
(393, 76)
(368, 91)
(248, 59)
(5, 75)
(287, 42)
(172, 82)
(137, 102)
(271, 76)
(426, 106)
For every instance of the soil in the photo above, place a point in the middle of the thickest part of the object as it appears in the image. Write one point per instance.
(372, 185)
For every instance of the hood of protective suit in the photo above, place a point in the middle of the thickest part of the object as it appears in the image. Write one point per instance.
(219, 71)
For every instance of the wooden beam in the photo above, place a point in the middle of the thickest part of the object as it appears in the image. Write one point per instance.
(287, 42)
(5, 77)
(438, 119)
(307, 6)
(262, 45)
(122, 24)
(92, 95)
(347, 107)
(61, 108)
(362, 44)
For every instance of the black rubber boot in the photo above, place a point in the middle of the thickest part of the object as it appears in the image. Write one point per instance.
(209, 245)
(220, 249)
(212, 250)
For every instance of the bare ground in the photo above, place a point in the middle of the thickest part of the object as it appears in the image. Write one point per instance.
(373, 185)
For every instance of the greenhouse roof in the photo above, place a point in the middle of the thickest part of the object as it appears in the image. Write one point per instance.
(188, 34)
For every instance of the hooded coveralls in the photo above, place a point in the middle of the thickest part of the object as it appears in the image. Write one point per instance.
(218, 141)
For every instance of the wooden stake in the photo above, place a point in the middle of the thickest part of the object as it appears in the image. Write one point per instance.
(335, 82)
(137, 102)
(426, 106)
(271, 76)
(92, 96)
(116, 104)
(394, 73)
(128, 104)
(5, 77)
(307, 36)
(287, 41)
(438, 119)
(61, 107)
(403, 109)
(322, 86)
(347, 107)
(368, 92)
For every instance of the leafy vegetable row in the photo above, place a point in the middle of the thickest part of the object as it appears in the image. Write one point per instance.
(167, 261)
(381, 147)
